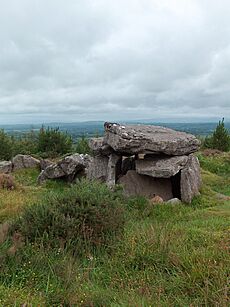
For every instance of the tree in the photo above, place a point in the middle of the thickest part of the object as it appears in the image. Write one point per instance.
(6, 146)
(221, 137)
(53, 141)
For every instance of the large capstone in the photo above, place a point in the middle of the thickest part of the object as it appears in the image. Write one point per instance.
(135, 139)
(160, 166)
(136, 185)
(190, 179)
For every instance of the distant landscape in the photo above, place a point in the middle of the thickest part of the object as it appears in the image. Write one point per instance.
(96, 128)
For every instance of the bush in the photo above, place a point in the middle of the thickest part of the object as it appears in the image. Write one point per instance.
(54, 141)
(86, 216)
(6, 146)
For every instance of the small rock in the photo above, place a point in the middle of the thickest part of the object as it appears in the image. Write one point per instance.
(157, 200)
(223, 197)
(7, 182)
(174, 201)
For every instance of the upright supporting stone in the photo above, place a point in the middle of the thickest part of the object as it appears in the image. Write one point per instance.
(98, 168)
(114, 169)
(190, 179)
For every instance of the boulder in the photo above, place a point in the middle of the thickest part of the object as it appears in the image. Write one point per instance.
(24, 161)
(190, 182)
(98, 168)
(99, 147)
(44, 163)
(68, 167)
(161, 166)
(135, 139)
(135, 184)
(5, 167)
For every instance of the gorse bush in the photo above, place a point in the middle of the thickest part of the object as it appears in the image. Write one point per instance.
(86, 216)
(54, 141)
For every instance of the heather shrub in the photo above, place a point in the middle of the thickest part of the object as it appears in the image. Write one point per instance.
(86, 216)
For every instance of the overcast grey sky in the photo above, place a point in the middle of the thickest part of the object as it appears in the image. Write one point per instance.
(78, 60)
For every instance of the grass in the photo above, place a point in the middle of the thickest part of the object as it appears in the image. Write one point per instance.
(170, 255)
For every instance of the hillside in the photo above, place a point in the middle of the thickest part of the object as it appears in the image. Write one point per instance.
(168, 255)
(92, 128)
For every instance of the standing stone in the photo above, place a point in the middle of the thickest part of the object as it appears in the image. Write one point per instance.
(114, 169)
(190, 179)
(135, 139)
(161, 166)
(5, 167)
(135, 185)
(98, 168)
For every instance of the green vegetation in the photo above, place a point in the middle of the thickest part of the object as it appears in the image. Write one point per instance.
(48, 142)
(6, 146)
(220, 139)
(84, 245)
(52, 142)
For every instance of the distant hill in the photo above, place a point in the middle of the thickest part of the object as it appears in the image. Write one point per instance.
(93, 128)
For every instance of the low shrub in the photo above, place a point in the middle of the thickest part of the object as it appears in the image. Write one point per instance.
(86, 216)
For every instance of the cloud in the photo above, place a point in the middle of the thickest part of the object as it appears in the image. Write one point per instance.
(111, 60)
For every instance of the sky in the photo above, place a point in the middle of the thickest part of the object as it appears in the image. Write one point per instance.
(80, 60)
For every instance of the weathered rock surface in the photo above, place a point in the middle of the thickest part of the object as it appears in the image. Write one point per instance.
(24, 161)
(135, 184)
(5, 167)
(68, 167)
(134, 139)
(190, 179)
(98, 168)
(99, 147)
(44, 163)
(114, 169)
(161, 166)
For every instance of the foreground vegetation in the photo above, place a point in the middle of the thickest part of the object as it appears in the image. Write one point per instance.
(136, 254)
